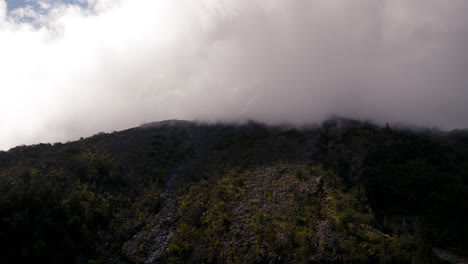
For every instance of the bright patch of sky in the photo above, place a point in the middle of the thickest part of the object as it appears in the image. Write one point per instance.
(33, 11)
(40, 5)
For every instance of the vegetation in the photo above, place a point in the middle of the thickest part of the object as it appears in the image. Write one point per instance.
(342, 192)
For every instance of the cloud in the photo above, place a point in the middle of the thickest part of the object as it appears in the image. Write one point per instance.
(76, 71)
(3, 9)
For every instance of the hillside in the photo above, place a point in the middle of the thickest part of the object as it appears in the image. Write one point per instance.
(175, 191)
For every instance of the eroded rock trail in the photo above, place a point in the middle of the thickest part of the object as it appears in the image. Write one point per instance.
(162, 232)
(150, 244)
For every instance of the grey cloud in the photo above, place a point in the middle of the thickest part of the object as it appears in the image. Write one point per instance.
(273, 61)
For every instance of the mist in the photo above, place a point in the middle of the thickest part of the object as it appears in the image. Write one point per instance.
(68, 71)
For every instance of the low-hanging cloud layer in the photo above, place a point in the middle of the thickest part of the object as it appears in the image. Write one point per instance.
(68, 71)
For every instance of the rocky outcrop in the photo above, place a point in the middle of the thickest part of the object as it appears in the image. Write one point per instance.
(449, 256)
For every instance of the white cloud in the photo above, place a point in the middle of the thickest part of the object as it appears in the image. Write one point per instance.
(3, 9)
(77, 71)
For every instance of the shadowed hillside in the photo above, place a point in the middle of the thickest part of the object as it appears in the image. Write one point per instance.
(177, 191)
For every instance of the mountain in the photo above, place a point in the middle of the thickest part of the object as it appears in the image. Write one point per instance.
(176, 191)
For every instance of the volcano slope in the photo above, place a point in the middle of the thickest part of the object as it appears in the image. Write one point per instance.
(175, 191)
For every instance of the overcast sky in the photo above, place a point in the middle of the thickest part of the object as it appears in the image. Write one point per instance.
(73, 69)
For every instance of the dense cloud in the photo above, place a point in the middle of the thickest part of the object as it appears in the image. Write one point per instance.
(67, 71)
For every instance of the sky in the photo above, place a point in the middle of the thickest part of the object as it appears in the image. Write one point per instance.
(70, 69)
(14, 4)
